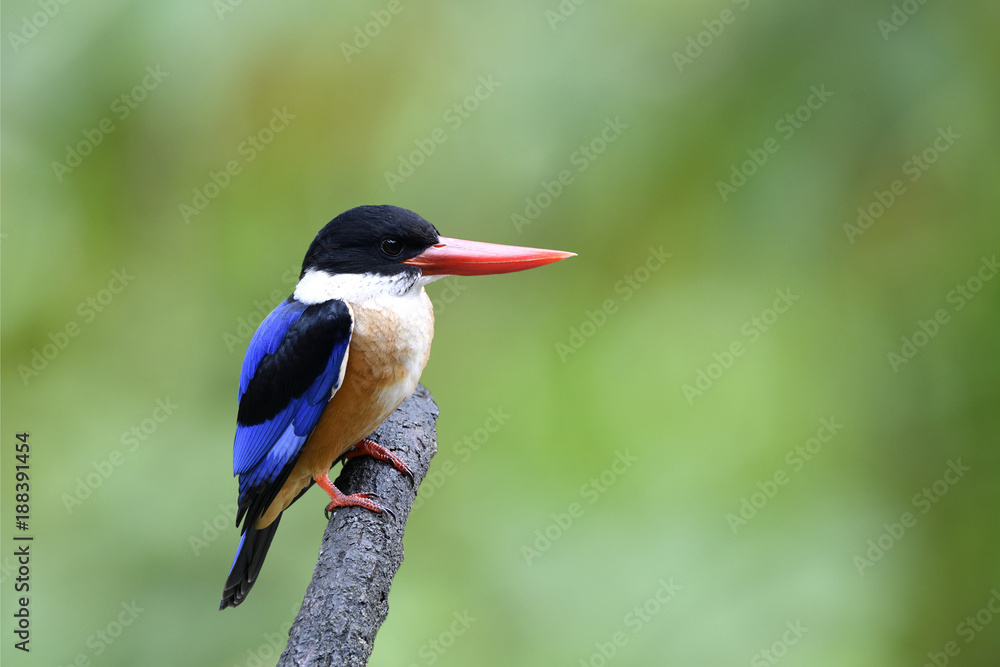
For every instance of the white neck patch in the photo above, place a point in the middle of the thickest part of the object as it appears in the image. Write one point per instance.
(319, 286)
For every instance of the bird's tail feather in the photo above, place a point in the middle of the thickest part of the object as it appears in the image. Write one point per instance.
(250, 556)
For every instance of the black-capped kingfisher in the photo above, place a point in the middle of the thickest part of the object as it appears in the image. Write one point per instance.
(336, 358)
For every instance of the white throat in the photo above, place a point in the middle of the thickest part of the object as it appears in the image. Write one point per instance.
(317, 286)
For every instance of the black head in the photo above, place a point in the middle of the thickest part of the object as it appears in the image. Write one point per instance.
(370, 239)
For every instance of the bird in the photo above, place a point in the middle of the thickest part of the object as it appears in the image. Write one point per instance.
(336, 358)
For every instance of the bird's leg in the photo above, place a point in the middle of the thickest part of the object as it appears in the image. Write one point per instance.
(338, 499)
(375, 450)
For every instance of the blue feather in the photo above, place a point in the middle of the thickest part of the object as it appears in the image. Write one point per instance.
(262, 450)
(268, 337)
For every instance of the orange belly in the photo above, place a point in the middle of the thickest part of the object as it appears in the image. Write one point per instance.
(386, 355)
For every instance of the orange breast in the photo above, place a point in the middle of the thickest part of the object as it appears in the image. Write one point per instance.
(388, 351)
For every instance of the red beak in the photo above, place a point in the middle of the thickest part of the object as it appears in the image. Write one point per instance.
(455, 257)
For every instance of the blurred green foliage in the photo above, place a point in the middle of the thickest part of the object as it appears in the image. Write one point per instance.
(201, 88)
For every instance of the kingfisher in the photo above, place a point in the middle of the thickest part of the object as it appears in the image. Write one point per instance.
(336, 358)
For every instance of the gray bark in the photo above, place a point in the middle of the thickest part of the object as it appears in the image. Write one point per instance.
(347, 600)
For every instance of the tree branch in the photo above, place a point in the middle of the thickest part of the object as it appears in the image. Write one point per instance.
(347, 600)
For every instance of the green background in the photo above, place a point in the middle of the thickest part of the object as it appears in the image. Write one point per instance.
(621, 389)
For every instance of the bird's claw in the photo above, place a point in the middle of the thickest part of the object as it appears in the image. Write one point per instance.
(377, 451)
(365, 500)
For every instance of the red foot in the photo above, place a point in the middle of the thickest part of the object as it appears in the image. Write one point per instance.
(379, 452)
(338, 499)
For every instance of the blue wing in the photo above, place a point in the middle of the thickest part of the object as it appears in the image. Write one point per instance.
(293, 365)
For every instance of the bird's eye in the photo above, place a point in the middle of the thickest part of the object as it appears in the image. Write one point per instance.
(392, 247)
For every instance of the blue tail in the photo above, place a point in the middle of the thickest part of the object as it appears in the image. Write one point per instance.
(250, 556)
